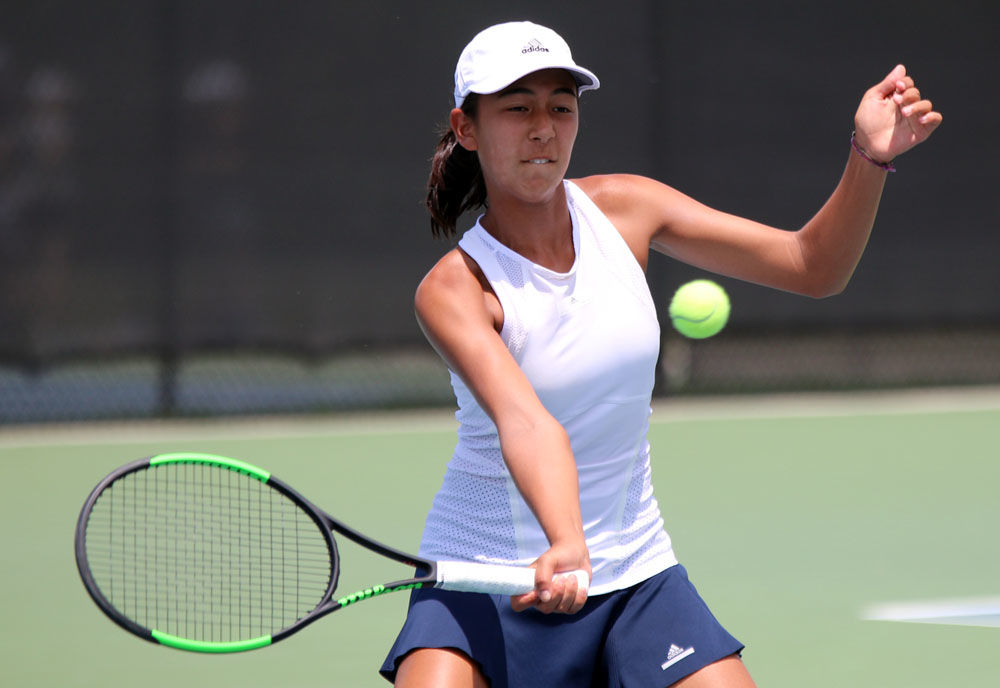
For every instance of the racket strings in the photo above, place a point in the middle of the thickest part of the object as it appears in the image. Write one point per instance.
(205, 553)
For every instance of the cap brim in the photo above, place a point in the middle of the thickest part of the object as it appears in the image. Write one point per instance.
(585, 79)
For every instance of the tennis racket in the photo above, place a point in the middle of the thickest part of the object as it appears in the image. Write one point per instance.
(205, 553)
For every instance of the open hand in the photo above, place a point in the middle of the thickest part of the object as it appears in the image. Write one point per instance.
(893, 118)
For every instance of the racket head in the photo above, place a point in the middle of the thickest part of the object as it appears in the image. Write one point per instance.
(205, 553)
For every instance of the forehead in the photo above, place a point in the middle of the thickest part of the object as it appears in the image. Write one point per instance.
(544, 80)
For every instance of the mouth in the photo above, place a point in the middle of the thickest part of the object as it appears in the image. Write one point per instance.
(539, 161)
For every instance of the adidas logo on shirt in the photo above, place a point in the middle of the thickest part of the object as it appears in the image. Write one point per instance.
(676, 654)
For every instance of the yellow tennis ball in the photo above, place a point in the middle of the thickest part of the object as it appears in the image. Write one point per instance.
(699, 309)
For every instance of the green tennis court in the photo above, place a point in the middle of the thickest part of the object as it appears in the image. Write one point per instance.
(794, 516)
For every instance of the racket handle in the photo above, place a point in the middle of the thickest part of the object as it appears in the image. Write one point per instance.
(494, 579)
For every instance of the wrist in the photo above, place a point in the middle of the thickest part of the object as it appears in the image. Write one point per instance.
(565, 533)
(860, 150)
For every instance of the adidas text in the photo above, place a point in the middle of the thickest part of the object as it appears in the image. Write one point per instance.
(534, 47)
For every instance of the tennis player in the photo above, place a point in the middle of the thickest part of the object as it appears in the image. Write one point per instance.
(543, 315)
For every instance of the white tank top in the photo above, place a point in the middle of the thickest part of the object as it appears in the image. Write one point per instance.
(588, 341)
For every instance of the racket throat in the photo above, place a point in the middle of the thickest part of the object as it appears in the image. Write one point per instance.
(377, 590)
(425, 576)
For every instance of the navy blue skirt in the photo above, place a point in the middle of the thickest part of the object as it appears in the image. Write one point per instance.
(652, 634)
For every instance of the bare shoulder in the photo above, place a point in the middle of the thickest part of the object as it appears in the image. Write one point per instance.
(640, 207)
(452, 269)
(610, 191)
(455, 274)
(454, 288)
(635, 204)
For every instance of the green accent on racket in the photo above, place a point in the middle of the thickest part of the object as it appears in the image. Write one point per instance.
(212, 460)
(205, 646)
(375, 591)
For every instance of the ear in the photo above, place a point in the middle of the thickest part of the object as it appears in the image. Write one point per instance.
(464, 129)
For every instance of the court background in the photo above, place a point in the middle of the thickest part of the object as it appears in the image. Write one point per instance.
(215, 207)
(793, 516)
(211, 211)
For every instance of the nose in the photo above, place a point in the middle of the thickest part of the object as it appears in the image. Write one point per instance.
(542, 128)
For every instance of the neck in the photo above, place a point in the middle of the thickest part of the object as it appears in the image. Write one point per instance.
(541, 232)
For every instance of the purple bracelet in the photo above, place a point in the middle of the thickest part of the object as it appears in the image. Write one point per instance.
(887, 166)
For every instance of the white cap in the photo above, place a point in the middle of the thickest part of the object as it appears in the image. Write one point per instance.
(503, 53)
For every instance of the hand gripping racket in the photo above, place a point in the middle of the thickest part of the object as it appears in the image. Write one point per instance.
(205, 553)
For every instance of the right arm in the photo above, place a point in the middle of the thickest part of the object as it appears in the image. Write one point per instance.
(461, 318)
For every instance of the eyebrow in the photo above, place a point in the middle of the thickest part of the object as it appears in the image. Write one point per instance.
(524, 90)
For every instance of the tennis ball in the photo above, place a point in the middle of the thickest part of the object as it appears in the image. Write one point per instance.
(699, 309)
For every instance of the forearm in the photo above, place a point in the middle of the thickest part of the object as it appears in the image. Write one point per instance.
(831, 243)
(540, 459)
(541, 463)
(891, 119)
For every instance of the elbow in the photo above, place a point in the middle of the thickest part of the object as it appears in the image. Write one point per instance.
(826, 289)
(820, 279)
(824, 286)
(820, 274)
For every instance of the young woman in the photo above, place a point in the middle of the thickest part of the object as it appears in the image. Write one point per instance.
(543, 315)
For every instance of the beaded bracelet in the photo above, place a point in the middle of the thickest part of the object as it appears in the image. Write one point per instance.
(887, 166)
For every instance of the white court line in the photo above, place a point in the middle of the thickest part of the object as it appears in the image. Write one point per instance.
(973, 611)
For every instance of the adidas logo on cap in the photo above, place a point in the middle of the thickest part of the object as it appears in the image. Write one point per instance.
(534, 46)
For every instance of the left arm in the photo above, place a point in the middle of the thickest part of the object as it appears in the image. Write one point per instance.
(818, 259)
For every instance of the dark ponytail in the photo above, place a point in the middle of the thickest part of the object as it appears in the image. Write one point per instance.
(456, 181)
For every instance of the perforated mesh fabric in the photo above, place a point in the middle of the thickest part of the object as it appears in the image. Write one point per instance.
(466, 498)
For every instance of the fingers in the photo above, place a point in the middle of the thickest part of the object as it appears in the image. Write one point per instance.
(563, 594)
(912, 106)
(569, 595)
(544, 583)
(521, 602)
(889, 84)
(900, 87)
(907, 97)
(905, 92)
(919, 110)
